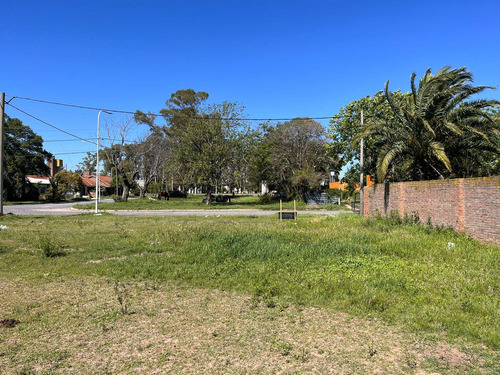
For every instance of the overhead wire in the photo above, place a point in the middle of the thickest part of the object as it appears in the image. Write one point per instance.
(52, 126)
(161, 114)
(90, 141)
(68, 140)
(53, 153)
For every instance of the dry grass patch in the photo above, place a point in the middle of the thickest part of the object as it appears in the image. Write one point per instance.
(80, 327)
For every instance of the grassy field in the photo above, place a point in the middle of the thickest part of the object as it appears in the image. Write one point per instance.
(195, 202)
(241, 295)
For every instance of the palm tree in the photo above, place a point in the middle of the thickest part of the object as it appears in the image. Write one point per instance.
(434, 126)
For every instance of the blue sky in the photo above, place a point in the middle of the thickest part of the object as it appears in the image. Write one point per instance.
(277, 58)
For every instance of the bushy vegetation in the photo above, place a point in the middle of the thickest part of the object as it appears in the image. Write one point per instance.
(437, 130)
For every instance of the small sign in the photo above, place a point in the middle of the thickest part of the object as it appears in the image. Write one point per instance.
(141, 184)
(287, 215)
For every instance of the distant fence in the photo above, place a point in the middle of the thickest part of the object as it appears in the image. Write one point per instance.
(471, 205)
(320, 198)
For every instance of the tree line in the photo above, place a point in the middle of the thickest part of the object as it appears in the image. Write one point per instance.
(436, 130)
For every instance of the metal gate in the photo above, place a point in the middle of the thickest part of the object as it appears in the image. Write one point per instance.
(355, 202)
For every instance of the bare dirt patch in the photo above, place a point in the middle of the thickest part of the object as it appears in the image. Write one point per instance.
(81, 327)
(9, 323)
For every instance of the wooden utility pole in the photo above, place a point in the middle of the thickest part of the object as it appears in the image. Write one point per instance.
(2, 113)
(361, 176)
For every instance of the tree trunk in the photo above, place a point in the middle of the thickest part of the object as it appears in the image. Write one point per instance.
(126, 192)
(142, 192)
(209, 195)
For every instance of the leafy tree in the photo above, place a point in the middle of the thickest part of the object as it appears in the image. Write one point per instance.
(125, 157)
(204, 137)
(346, 125)
(237, 173)
(430, 130)
(62, 182)
(88, 163)
(259, 157)
(23, 155)
(156, 152)
(292, 156)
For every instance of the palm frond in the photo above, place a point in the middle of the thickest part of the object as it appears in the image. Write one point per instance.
(438, 151)
(386, 156)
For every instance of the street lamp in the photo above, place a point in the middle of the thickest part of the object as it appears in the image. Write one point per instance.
(98, 176)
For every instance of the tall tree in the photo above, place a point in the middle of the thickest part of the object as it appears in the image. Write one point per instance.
(88, 163)
(125, 157)
(155, 154)
(63, 182)
(292, 156)
(24, 155)
(430, 130)
(236, 175)
(204, 136)
(346, 125)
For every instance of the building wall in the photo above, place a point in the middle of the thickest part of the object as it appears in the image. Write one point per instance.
(467, 204)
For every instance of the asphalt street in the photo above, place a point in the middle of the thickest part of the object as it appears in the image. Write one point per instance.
(67, 209)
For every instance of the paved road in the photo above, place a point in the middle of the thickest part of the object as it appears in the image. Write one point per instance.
(46, 209)
(66, 209)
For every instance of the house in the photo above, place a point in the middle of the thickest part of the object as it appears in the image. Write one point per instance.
(42, 181)
(89, 184)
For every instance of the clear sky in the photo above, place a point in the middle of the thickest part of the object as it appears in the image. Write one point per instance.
(277, 58)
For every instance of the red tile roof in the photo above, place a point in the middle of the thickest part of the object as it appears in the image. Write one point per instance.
(90, 181)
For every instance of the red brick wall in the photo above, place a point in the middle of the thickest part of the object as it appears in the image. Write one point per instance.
(466, 204)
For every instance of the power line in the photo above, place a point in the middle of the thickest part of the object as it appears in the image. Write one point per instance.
(69, 140)
(52, 153)
(71, 153)
(87, 140)
(52, 126)
(160, 114)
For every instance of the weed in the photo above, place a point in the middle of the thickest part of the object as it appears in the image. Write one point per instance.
(122, 294)
(27, 370)
(412, 219)
(394, 218)
(429, 222)
(371, 349)
(284, 348)
(49, 248)
(410, 360)
(302, 355)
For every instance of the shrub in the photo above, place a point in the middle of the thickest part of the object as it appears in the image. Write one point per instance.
(49, 249)
(265, 199)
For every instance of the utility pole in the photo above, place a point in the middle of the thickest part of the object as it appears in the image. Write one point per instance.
(2, 113)
(361, 176)
(98, 173)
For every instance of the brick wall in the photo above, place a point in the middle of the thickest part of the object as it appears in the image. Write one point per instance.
(466, 204)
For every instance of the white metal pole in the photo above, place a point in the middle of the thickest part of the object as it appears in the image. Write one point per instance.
(98, 176)
(97, 180)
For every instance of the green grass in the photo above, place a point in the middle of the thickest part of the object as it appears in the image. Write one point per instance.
(406, 274)
(195, 202)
